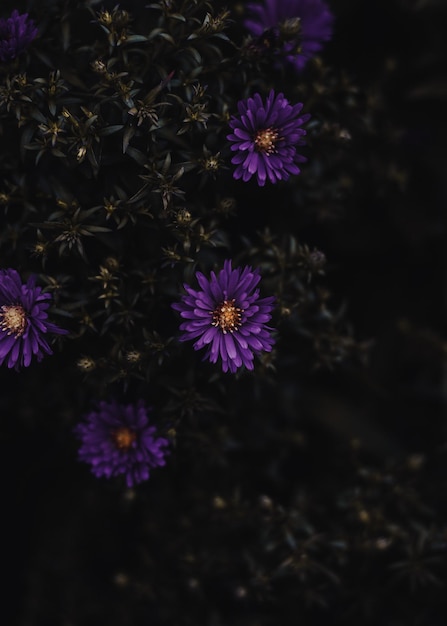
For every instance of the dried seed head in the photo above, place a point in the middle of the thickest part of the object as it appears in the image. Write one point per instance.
(133, 356)
(86, 364)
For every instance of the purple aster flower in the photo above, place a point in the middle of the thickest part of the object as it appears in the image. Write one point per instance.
(227, 317)
(23, 320)
(265, 137)
(118, 439)
(316, 22)
(16, 34)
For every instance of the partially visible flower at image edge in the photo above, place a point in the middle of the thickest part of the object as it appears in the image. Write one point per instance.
(16, 34)
(316, 25)
(118, 439)
(227, 317)
(24, 323)
(265, 138)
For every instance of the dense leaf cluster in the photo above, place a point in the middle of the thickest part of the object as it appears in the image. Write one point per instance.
(117, 177)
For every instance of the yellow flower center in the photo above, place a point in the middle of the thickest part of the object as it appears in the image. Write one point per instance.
(123, 437)
(227, 316)
(13, 319)
(265, 140)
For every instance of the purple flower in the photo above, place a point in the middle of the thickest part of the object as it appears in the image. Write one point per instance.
(23, 320)
(118, 439)
(316, 25)
(227, 317)
(16, 34)
(265, 137)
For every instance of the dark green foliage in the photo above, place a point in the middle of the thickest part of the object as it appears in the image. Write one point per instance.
(312, 490)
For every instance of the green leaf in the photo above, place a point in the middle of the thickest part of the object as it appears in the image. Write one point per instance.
(127, 136)
(167, 37)
(177, 16)
(109, 130)
(136, 155)
(52, 107)
(136, 39)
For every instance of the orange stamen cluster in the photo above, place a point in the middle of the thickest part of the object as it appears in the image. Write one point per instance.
(123, 438)
(13, 319)
(227, 316)
(266, 139)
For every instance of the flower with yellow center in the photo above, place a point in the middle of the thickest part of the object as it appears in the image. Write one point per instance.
(227, 317)
(265, 137)
(120, 440)
(24, 325)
